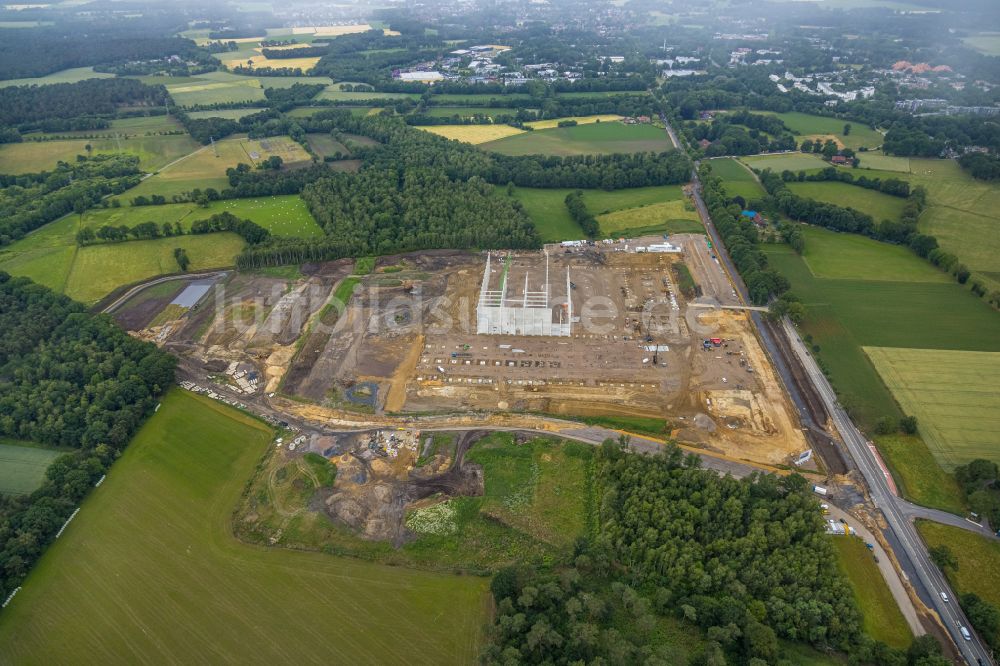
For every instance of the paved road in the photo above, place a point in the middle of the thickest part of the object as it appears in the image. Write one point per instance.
(913, 511)
(910, 550)
(929, 582)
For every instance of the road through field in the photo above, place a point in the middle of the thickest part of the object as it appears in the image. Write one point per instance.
(911, 551)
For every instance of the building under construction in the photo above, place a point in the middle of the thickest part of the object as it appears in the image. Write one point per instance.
(518, 298)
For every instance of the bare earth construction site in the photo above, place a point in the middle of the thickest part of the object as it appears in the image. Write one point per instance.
(575, 330)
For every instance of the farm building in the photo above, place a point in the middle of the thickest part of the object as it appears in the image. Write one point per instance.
(509, 305)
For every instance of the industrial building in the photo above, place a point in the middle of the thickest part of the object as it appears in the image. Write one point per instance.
(518, 298)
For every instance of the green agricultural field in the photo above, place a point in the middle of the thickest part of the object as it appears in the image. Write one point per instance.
(791, 161)
(50, 255)
(809, 126)
(596, 138)
(547, 207)
(22, 466)
(953, 395)
(668, 216)
(123, 127)
(737, 180)
(74, 75)
(154, 152)
(481, 100)
(100, 269)
(843, 315)
(149, 571)
(333, 93)
(881, 617)
(325, 144)
(309, 111)
(882, 162)
(855, 257)
(206, 166)
(978, 559)
(229, 114)
(880, 206)
(913, 466)
(467, 111)
(281, 215)
(216, 92)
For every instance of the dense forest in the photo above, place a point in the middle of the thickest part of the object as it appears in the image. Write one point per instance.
(746, 560)
(28, 201)
(741, 133)
(36, 107)
(30, 53)
(70, 379)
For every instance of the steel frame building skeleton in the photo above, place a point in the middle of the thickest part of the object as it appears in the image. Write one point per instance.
(532, 313)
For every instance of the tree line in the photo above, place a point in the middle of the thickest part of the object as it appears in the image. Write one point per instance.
(741, 239)
(71, 379)
(250, 231)
(29, 201)
(578, 211)
(746, 560)
(891, 186)
(741, 133)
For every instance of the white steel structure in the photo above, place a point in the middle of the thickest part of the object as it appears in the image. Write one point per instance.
(504, 311)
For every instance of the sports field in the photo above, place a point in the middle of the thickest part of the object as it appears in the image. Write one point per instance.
(880, 615)
(153, 151)
(206, 165)
(790, 161)
(880, 206)
(595, 138)
(737, 180)
(149, 571)
(22, 466)
(808, 126)
(855, 257)
(953, 395)
(474, 134)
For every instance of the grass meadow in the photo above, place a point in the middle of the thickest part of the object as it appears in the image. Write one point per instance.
(547, 209)
(325, 144)
(953, 395)
(153, 151)
(978, 559)
(811, 127)
(736, 178)
(23, 465)
(881, 617)
(193, 93)
(594, 138)
(580, 120)
(229, 114)
(837, 256)
(206, 166)
(51, 257)
(880, 206)
(870, 160)
(468, 111)
(668, 216)
(149, 571)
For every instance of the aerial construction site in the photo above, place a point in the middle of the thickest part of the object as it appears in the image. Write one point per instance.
(633, 328)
